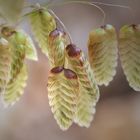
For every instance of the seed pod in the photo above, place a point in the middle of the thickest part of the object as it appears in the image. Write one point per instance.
(42, 23)
(15, 88)
(103, 53)
(63, 94)
(5, 64)
(89, 92)
(57, 43)
(20, 37)
(129, 48)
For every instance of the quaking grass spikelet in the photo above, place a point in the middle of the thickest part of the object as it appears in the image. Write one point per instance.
(103, 53)
(63, 94)
(18, 73)
(129, 48)
(88, 92)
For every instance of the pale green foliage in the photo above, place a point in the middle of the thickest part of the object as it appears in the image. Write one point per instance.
(103, 53)
(129, 47)
(89, 92)
(15, 87)
(5, 64)
(63, 95)
(42, 23)
(57, 43)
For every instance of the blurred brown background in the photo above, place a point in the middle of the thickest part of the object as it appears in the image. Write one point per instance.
(118, 111)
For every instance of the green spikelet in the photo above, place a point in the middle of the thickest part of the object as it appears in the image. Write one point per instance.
(42, 23)
(57, 43)
(89, 92)
(18, 72)
(15, 88)
(103, 53)
(63, 94)
(129, 48)
(21, 38)
(18, 50)
(5, 64)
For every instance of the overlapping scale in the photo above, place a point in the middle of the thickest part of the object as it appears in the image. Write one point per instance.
(15, 88)
(5, 64)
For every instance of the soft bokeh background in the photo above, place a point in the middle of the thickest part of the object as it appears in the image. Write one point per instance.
(118, 111)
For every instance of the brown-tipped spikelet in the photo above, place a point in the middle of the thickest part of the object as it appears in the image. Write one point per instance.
(5, 64)
(63, 94)
(88, 92)
(129, 48)
(42, 23)
(18, 74)
(103, 53)
(57, 44)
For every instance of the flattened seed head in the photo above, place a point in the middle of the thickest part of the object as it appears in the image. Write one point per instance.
(57, 70)
(135, 27)
(57, 32)
(7, 31)
(104, 27)
(109, 29)
(73, 51)
(70, 74)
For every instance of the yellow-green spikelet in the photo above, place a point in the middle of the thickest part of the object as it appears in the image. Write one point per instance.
(63, 95)
(89, 92)
(5, 64)
(57, 44)
(103, 53)
(129, 49)
(42, 23)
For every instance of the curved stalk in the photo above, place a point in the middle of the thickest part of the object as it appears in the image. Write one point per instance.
(80, 2)
(62, 24)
